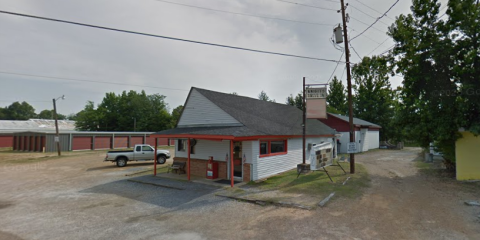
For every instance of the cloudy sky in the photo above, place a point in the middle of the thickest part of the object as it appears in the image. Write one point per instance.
(41, 60)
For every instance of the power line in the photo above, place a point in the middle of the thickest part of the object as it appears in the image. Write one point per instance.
(366, 36)
(165, 37)
(355, 52)
(330, 78)
(244, 14)
(366, 14)
(378, 46)
(91, 81)
(366, 24)
(378, 19)
(329, 1)
(305, 5)
(388, 49)
(372, 8)
(12, 101)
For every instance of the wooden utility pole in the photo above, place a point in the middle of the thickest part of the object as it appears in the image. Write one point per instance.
(57, 136)
(349, 86)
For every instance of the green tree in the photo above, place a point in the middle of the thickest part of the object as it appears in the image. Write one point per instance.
(48, 114)
(130, 111)
(263, 96)
(20, 111)
(3, 113)
(337, 98)
(176, 112)
(440, 63)
(88, 119)
(296, 101)
(373, 100)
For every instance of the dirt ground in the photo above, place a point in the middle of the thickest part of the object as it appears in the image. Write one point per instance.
(81, 197)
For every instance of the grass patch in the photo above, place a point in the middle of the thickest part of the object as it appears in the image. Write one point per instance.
(318, 184)
(15, 157)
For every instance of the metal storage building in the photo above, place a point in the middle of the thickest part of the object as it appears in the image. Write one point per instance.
(39, 141)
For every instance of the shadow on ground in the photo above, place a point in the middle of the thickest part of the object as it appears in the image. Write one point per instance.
(159, 191)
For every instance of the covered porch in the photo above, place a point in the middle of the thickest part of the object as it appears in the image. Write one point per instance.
(210, 162)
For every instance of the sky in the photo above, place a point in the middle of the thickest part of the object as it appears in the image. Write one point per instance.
(41, 60)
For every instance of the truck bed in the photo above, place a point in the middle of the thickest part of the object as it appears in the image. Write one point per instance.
(120, 151)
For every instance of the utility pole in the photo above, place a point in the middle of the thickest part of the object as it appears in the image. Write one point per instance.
(349, 86)
(57, 137)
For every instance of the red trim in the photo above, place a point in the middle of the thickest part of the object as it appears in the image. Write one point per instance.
(231, 164)
(225, 137)
(269, 147)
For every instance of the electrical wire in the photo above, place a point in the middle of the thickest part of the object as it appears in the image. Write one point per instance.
(355, 52)
(244, 14)
(305, 5)
(366, 36)
(378, 46)
(372, 8)
(378, 19)
(366, 14)
(388, 49)
(166, 37)
(366, 24)
(330, 78)
(91, 81)
(345, 68)
(329, 1)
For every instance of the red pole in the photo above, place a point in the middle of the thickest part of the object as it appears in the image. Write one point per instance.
(231, 163)
(188, 163)
(155, 157)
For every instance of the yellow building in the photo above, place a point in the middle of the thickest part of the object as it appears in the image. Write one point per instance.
(468, 156)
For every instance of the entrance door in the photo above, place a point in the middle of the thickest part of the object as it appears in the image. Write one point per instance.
(237, 161)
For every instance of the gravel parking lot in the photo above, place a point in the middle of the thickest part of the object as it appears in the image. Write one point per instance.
(81, 197)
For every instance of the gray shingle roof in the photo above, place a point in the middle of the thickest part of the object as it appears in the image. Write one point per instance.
(258, 117)
(35, 125)
(356, 121)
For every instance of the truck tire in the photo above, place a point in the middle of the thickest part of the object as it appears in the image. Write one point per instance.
(122, 162)
(161, 159)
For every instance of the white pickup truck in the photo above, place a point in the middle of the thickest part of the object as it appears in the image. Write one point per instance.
(141, 152)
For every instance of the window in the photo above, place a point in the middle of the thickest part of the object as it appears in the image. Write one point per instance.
(147, 148)
(182, 145)
(138, 149)
(273, 147)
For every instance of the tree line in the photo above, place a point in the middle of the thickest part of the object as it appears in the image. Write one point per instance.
(25, 111)
(438, 56)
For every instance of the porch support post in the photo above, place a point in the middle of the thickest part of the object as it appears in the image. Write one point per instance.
(231, 163)
(155, 158)
(188, 160)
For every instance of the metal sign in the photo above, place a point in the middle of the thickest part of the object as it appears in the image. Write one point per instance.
(56, 139)
(316, 93)
(317, 108)
(352, 147)
(321, 155)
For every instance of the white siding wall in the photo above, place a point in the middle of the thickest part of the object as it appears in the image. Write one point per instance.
(364, 143)
(345, 139)
(199, 111)
(373, 139)
(267, 166)
(248, 148)
(206, 148)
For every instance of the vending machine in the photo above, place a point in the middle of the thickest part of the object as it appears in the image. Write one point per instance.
(212, 169)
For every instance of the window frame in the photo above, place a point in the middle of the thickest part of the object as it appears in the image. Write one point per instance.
(183, 144)
(269, 147)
